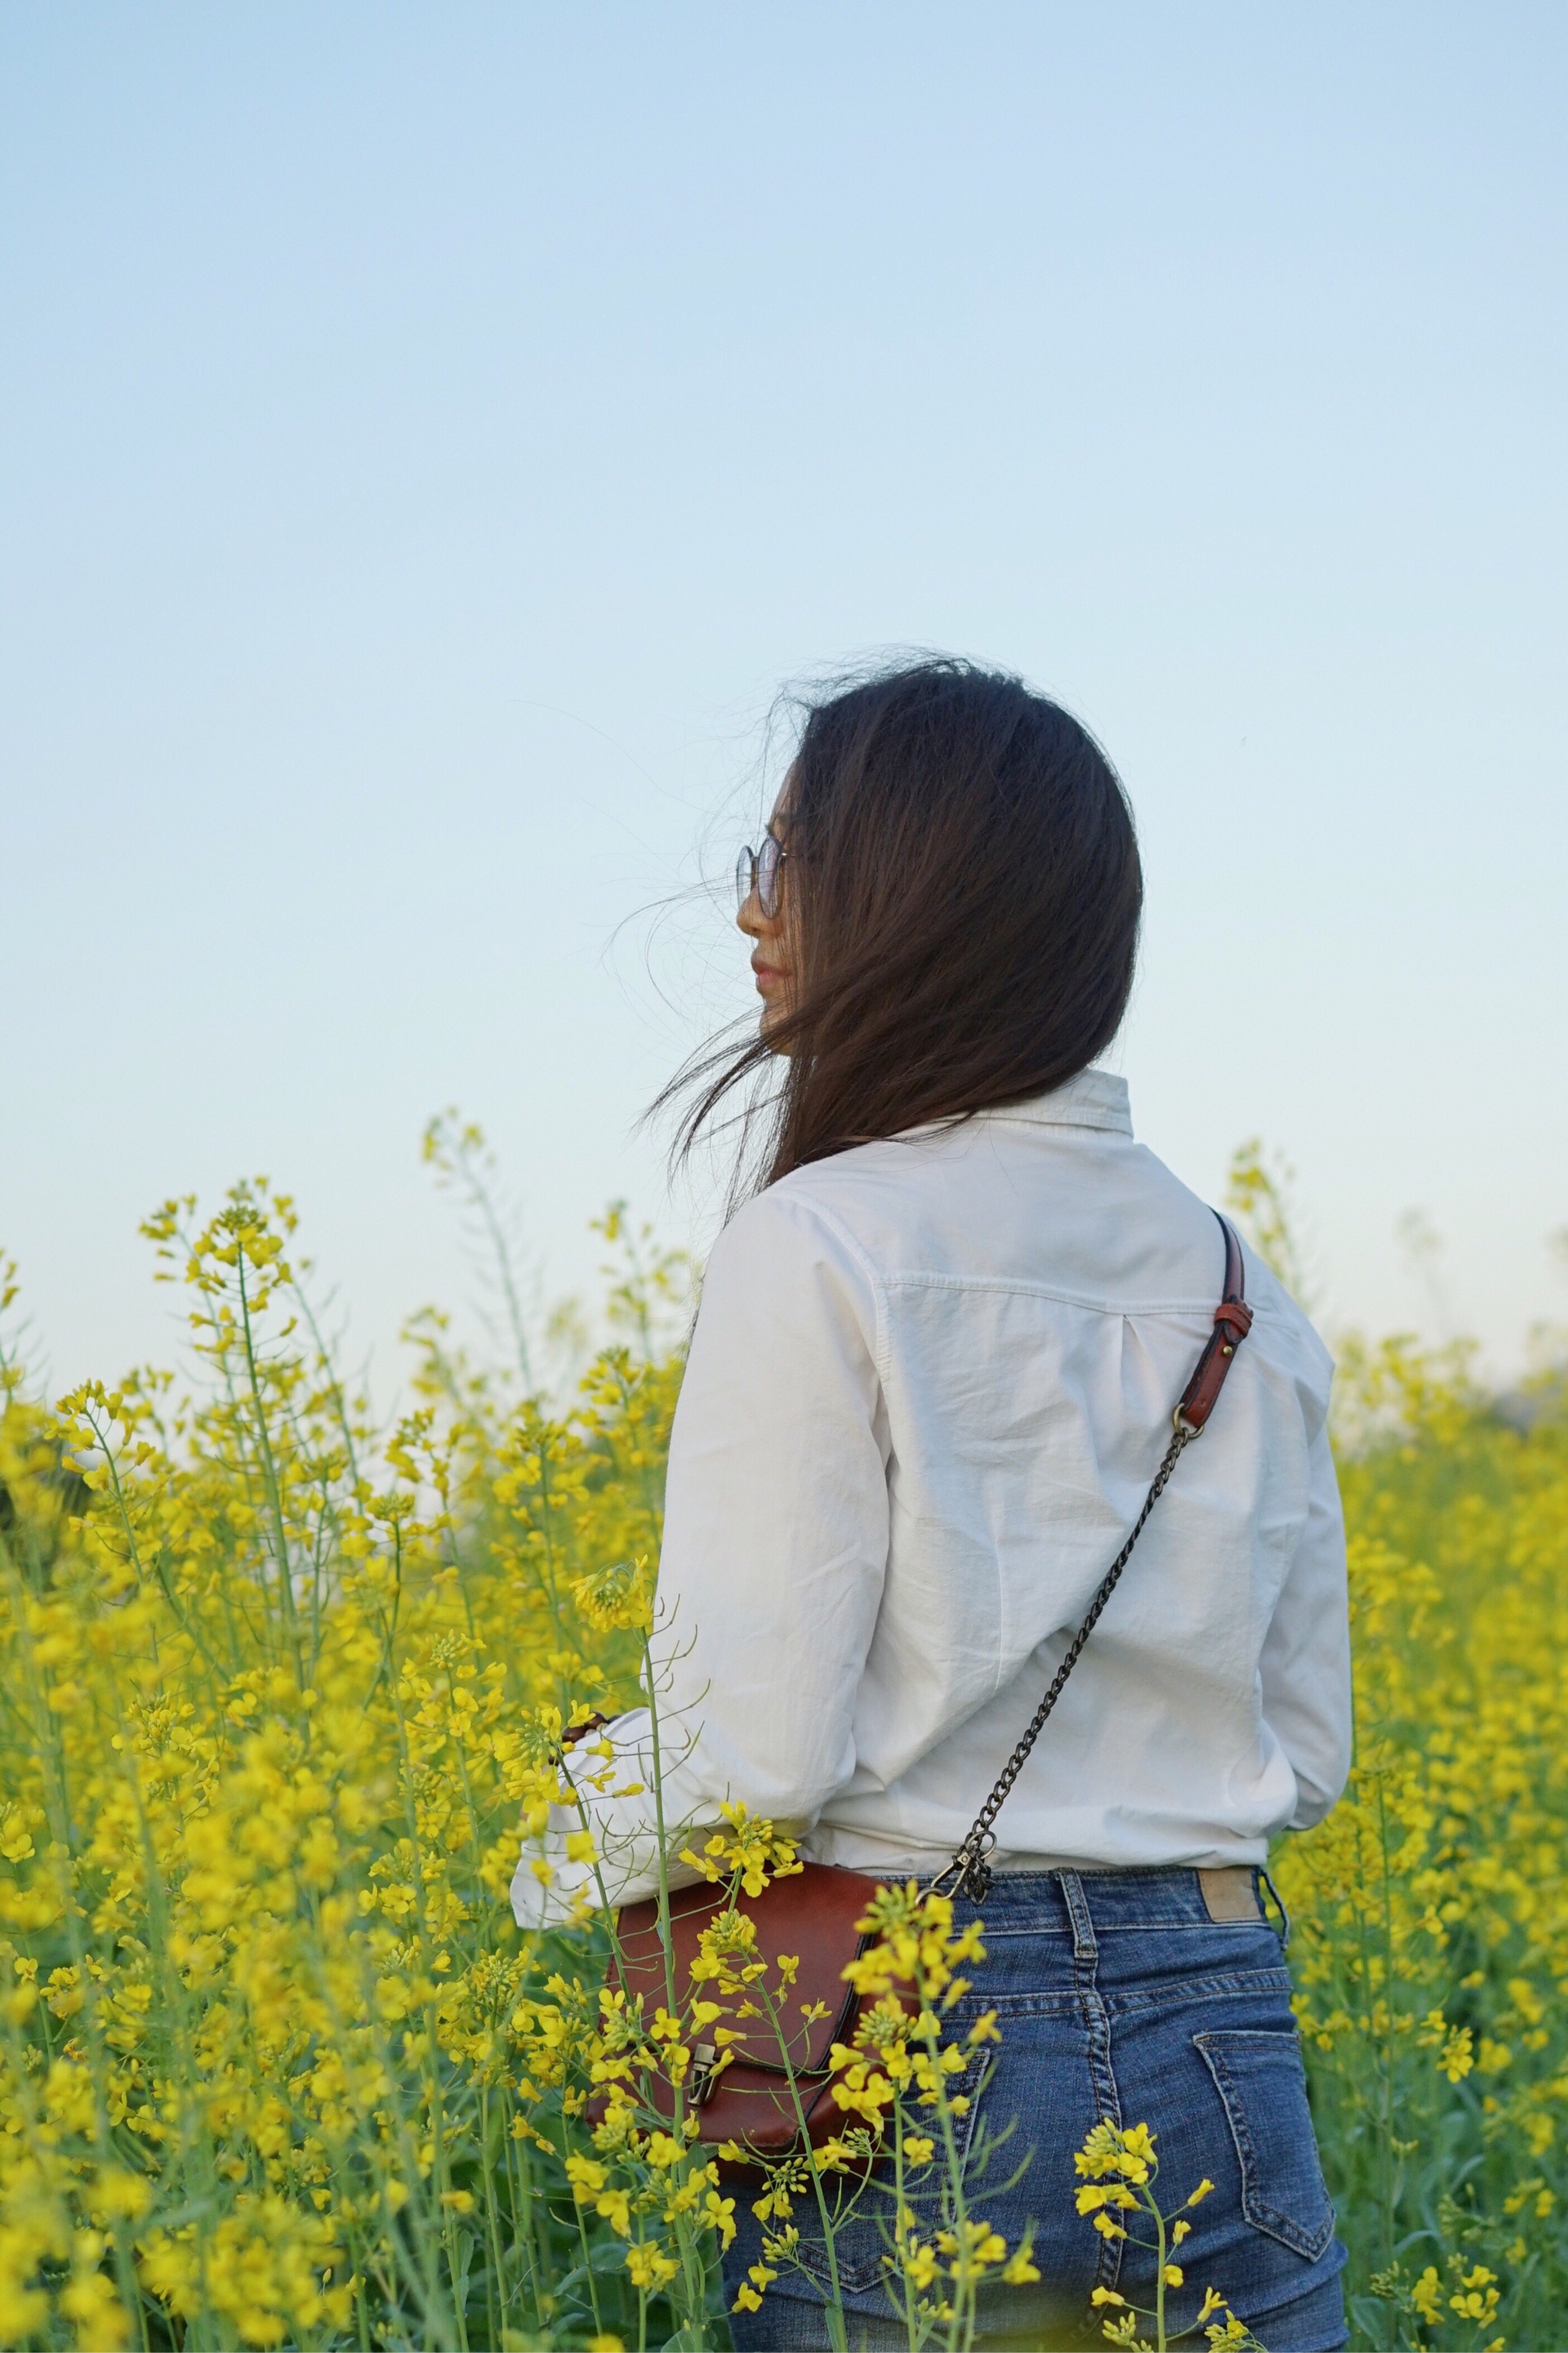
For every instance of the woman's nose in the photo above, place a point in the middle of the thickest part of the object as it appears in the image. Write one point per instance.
(750, 918)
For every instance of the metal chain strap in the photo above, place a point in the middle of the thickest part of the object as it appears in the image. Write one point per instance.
(969, 1873)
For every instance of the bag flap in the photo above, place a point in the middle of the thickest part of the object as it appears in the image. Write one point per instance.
(810, 1916)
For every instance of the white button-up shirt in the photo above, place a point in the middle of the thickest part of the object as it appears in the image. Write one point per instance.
(929, 1382)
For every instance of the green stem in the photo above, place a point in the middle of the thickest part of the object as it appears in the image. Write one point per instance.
(836, 2327)
(268, 1463)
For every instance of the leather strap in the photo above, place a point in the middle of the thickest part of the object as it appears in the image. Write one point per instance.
(1232, 1323)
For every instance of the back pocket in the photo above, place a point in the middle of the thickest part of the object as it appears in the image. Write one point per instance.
(1260, 2079)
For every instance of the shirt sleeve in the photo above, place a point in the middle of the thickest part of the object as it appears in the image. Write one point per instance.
(1306, 1662)
(775, 1547)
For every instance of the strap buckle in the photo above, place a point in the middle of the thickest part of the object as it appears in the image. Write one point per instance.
(969, 1874)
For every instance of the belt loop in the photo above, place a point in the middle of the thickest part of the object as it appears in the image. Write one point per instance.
(1280, 1907)
(1085, 1951)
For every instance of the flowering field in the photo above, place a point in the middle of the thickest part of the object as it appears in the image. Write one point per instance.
(275, 1693)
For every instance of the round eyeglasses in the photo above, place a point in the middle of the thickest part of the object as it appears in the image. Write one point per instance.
(758, 871)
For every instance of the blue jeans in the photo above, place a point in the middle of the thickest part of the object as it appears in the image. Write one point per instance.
(1116, 1995)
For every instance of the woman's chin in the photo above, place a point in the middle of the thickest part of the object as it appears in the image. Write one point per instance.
(768, 1021)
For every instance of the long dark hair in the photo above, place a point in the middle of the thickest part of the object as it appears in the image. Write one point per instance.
(962, 893)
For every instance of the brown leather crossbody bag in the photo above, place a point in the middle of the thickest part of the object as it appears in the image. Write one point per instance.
(813, 1912)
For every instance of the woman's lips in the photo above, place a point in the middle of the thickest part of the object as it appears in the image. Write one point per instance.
(768, 976)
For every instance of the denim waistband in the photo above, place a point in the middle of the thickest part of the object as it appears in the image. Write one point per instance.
(1047, 1903)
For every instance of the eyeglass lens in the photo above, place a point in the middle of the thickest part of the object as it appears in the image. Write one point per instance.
(758, 871)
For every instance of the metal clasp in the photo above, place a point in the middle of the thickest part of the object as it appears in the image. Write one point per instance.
(704, 2066)
(968, 1872)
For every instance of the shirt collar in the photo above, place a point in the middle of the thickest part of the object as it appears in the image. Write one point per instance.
(1093, 1099)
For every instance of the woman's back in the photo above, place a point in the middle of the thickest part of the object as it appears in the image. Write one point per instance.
(1002, 1315)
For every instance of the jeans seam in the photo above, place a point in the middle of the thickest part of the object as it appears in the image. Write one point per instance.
(1236, 1982)
(1179, 1922)
(1062, 2000)
(1097, 2028)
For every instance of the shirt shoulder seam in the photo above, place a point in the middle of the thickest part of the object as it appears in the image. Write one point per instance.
(920, 1278)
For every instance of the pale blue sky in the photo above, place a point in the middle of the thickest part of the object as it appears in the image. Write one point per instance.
(430, 434)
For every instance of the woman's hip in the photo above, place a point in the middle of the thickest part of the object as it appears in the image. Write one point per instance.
(1118, 1998)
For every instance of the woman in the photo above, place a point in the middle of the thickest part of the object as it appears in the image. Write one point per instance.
(932, 1376)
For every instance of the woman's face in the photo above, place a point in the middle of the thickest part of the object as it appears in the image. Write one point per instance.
(773, 959)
